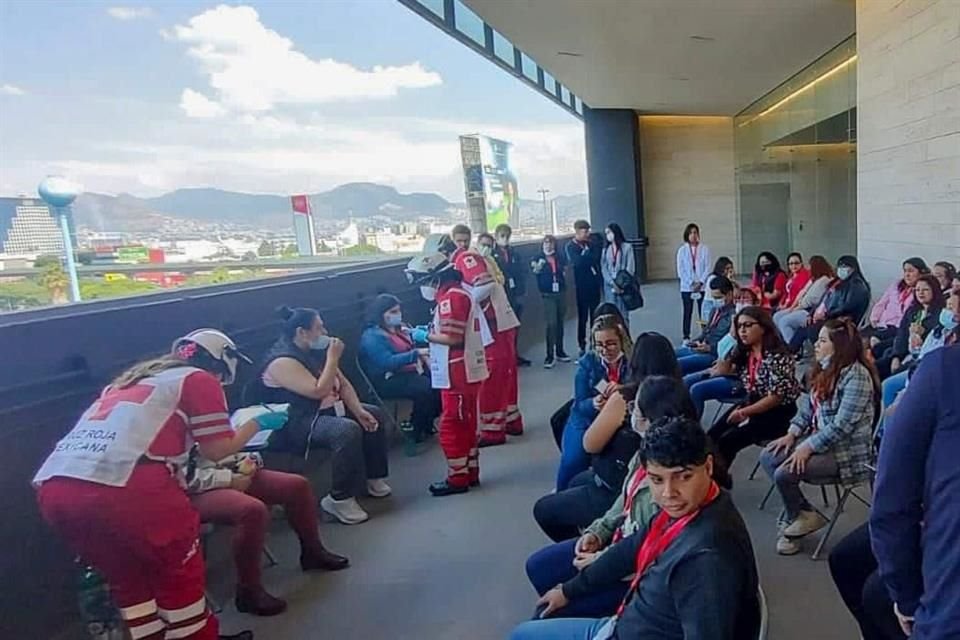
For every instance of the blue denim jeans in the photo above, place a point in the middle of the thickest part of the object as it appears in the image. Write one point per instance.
(553, 565)
(702, 388)
(558, 629)
(693, 361)
(573, 458)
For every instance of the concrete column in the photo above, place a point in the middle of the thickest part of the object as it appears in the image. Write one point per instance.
(908, 146)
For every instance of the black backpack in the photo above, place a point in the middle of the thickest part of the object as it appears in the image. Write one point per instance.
(630, 286)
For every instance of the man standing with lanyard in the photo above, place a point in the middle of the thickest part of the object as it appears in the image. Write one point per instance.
(584, 253)
(457, 367)
(693, 267)
(695, 571)
(515, 274)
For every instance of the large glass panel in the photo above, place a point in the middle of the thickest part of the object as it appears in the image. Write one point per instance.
(549, 83)
(529, 67)
(435, 6)
(565, 95)
(502, 48)
(468, 23)
(796, 163)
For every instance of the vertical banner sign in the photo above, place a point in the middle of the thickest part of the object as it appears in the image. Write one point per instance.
(303, 225)
(489, 182)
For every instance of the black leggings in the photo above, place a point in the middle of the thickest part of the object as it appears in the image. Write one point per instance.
(769, 425)
(410, 385)
(854, 571)
(563, 514)
(687, 298)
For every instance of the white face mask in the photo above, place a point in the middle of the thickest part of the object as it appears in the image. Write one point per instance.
(824, 362)
(740, 306)
(428, 292)
(638, 422)
(610, 236)
(320, 343)
(484, 250)
(844, 272)
(548, 250)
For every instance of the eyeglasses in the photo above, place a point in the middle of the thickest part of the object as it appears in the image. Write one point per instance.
(608, 345)
(795, 263)
(747, 325)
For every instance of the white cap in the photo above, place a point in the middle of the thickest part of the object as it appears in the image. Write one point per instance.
(218, 345)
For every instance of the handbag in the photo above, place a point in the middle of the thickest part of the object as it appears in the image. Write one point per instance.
(630, 286)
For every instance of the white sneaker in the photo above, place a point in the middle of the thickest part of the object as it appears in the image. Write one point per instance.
(378, 488)
(805, 524)
(787, 547)
(347, 511)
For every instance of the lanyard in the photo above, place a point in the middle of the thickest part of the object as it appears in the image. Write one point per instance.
(613, 370)
(614, 254)
(753, 367)
(632, 490)
(660, 536)
(504, 255)
(693, 258)
(815, 401)
(715, 317)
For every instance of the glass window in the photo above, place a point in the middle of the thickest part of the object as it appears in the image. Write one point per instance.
(502, 48)
(529, 67)
(468, 23)
(435, 6)
(565, 95)
(549, 83)
(577, 105)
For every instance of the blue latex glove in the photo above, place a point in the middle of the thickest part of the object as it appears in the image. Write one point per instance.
(272, 420)
(419, 334)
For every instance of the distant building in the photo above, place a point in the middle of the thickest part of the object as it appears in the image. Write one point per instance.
(28, 227)
(303, 225)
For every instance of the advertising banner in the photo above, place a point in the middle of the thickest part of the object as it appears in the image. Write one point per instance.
(489, 182)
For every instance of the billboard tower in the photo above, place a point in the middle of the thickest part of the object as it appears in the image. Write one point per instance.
(489, 182)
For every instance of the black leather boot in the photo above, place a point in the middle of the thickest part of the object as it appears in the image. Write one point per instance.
(257, 601)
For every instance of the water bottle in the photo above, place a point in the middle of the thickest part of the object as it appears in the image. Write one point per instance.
(409, 433)
(100, 616)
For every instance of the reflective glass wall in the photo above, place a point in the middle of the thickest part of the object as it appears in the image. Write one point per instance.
(796, 163)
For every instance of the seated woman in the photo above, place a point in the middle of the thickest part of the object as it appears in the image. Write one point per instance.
(848, 296)
(886, 314)
(767, 380)
(396, 367)
(237, 492)
(796, 314)
(302, 368)
(722, 267)
(919, 320)
(703, 352)
(945, 273)
(561, 515)
(798, 277)
(658, 397)
(945, 333)
(599, 373)
(831, 435)
(769, 280)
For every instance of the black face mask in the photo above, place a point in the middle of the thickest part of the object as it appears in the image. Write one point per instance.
(767, 268)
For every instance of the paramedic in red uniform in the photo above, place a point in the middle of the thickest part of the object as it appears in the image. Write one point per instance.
(499, 413)
(457, 367)
(113, 486)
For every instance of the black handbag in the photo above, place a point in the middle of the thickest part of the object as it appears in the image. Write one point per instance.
(629, 285)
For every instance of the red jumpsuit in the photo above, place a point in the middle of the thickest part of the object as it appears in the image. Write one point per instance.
(107, 490)
(500, 389)
(458, 415)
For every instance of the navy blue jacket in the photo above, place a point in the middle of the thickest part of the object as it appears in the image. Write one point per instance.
(545, 277)
(378, 355)
(513, 270)
(585, 260)
(915, 520)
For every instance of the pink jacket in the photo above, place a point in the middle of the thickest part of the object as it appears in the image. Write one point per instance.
(889, 309)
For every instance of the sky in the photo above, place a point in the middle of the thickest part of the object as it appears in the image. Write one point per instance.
(264, 97)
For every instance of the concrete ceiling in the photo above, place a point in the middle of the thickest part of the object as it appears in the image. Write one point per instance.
(672, 56)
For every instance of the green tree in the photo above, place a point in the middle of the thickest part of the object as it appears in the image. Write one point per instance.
(46, 260)
(266, 249)
(361, 250)
(54, 279)
(291, 251)
(101, 289)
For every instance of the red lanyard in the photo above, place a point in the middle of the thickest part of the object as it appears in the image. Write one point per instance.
(613, 371)
(753, 366)
(693, 257)
(661, 535)
(715, 317)
(614, 254)
(632, 490)
(905, 296)
(552, 261)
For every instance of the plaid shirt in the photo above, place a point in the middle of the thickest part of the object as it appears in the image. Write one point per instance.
(845, 424)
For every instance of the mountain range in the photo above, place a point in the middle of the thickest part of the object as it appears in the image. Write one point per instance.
(128, 213)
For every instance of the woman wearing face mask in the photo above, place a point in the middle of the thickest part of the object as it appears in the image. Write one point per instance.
(599, 374)
(722, 267)
(944, 334)
(562, 514)
(848, 296)
(657, 398)
(548, 268)
(769, 280)
(830, 437)
(886, 314)
(396, 367)
(485, 247)
(113, 486)
(768, 383)
(945, 273)
(302, 368)
(918, 321)
(617, 257)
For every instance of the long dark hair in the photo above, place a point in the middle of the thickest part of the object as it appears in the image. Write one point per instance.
(664, 397)
(772, 342)
(917, 263)
(618, 237)
(296, 318)
(938, 301)
(608, 309)
(767, 282)
(693, 226)
(853, 263)
(380, 305)
(653, 355)
(720, 266)
(847, 350)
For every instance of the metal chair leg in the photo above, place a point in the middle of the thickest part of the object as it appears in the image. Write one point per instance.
(756, 467)
(836, 489)
(763, 503)
(833, 522)
(823, 492)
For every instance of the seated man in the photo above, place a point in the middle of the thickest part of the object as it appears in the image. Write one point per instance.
(703, 352)
(696, 576)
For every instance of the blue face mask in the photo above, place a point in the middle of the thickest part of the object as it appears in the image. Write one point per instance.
(844, 272)
(726, 345)
(320, 343)
(948, 320)
(824, 363)
(393, 319)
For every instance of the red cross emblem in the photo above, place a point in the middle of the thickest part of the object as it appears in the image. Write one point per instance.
(135, 394)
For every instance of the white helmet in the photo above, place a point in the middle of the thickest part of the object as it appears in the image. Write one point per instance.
(426, 267)
(217, 346)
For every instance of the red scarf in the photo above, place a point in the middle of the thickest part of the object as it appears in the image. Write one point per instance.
(661, 535)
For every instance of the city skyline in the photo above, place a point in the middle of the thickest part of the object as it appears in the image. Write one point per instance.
(273, 98)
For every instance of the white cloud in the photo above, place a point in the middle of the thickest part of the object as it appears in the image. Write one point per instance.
(253, 68)
(129, 13)
(11, 90)
(197, 105)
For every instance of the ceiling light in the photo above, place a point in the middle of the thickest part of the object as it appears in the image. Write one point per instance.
(703, 38)
(572, 54)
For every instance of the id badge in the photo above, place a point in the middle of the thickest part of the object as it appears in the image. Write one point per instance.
(339, 408)
(513, 285)
(556, 287)
(696, 295)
